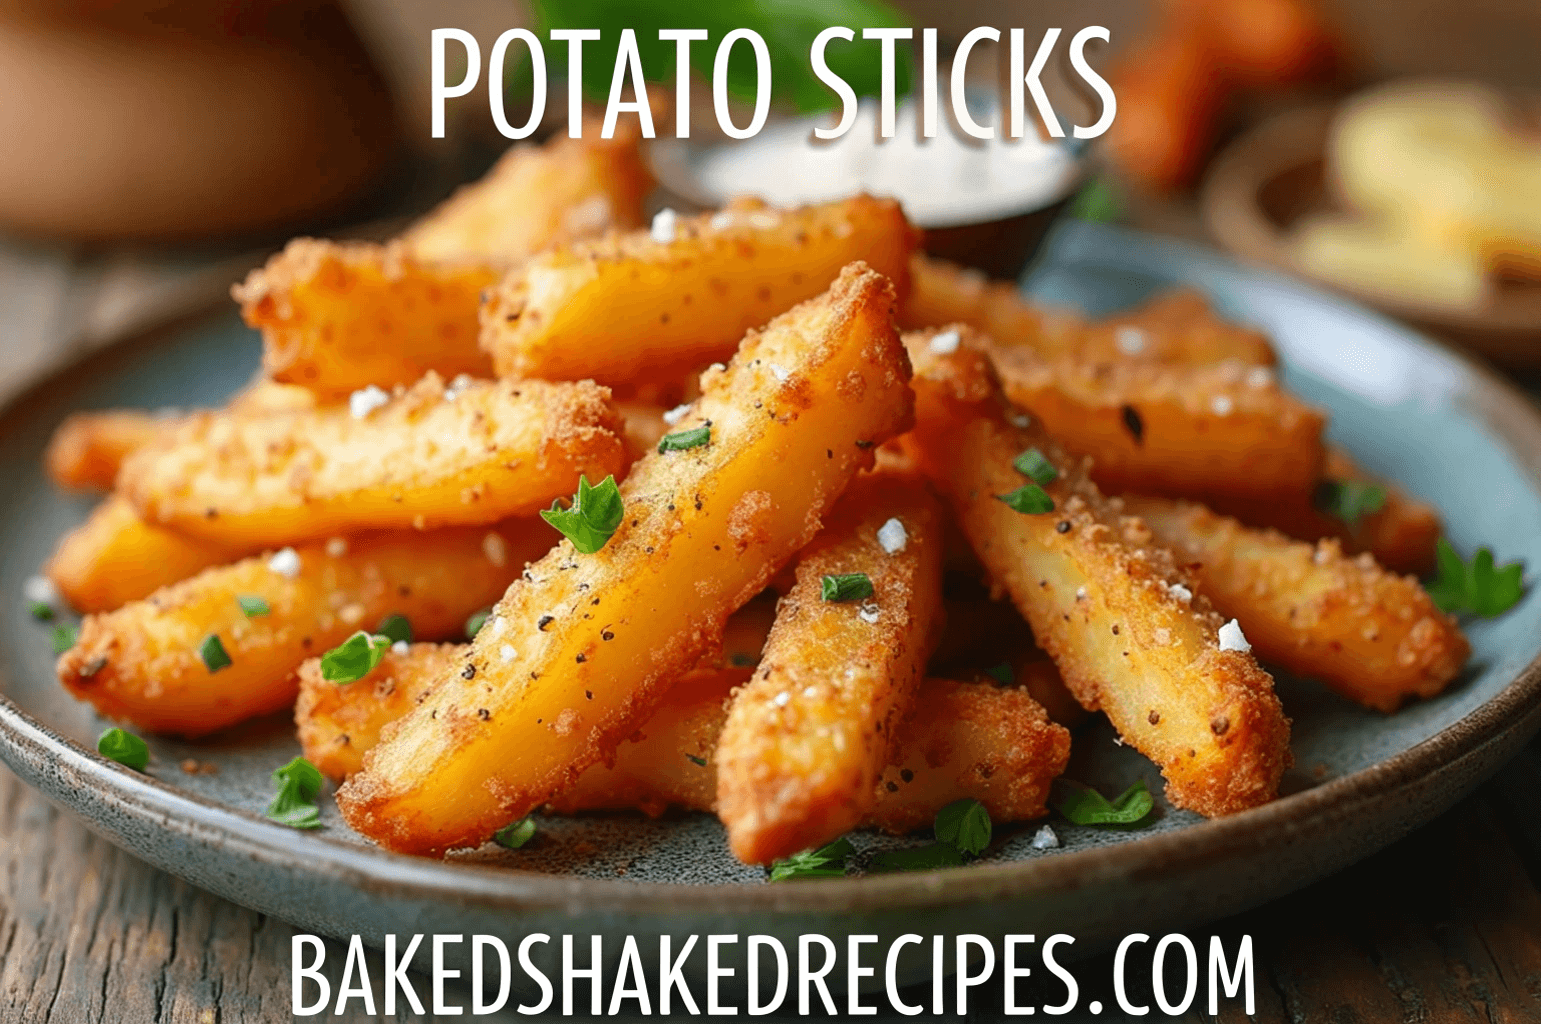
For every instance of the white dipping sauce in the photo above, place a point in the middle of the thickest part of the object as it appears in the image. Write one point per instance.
(941, 182)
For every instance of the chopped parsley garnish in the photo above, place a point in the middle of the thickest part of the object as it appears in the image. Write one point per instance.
(395, 628)
(41, 610)
(1035, 467)
(125, 748)
(686, 439)
(1002, 673)
(252, 606)
(1349, 500)
(213, 653)
(825, 862)
(354, 658)
(64, 638)
(595, 514)
(1481, 588)
(294, 805)
(1085, 806)
(515, 834)
(846, 586)
(475, 623)
(917, 858)
(965, 824)
(1029, 499)
(696, 760)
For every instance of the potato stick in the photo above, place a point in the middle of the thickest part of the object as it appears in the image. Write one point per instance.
(1202, 431)
(807, 738)
(1401, 535)
(337, 317)
(88, 447)
(114, 557)
(339, 724)
(479, 452)
(1174, 327)
(1371, 635)
(634, 306)
(145, 662)
(1110, 606)
(536, 197)
(580, 651)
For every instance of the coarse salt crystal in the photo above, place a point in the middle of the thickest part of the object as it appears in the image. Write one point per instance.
(507, 653)
(1231, 638)
(366, 400)
(781, 372)
(1080, 593)
(1130, 340)
(286, 563)
(401, 647)
(496, 549)
(868, 612)
(1259, 377)
(1180, 592)
(675, 414)
(782, 699)
(337, 547)
(456, 386)
(721, 219)
(1222, 405)
(945, 343)
(1020, 420)
(1045, 839)
(892, 536)
(40, 590)
(664, 222)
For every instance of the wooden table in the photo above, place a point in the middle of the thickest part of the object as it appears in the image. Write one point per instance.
(1443, 926)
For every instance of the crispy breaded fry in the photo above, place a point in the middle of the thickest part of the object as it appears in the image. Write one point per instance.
(114, 557)
(478, 453)
(807, 738)
(338, 724)
(1375, 637)
(336, 317)
(143, 662)
(1108, 604)
(88, 447)
(580, 651)
(684, 301)
(1173, 327)
(1224, 429)
(536, 197)
(1401, 535)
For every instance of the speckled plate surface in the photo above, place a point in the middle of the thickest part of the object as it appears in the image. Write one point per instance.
(1448, 430)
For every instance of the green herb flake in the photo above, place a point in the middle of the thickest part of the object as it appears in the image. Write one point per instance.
(125, 748)
(395, 628)
(1482, 588)
(1033, 465)
(41, 611)
(212, 651)
(917, 858)
(965, 824)
(1099, 201)
(595, 514)
(1002, 673)
(1085, 806)
(1029, 499)
(64, 638)
(1349, 500)
(354, 658)
(252, 606)
(696, 760)
(825, 862)
(847, 586)
(686, 439)
(299, 783)
(515, 834)
(475, 623)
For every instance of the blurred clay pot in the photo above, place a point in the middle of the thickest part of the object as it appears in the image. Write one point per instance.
(180, 120)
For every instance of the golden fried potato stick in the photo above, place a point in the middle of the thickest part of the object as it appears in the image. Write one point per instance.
(339, 724)
(1218, 430)
(1173, 327)
(147, 661)
(1401, 535)
(1115, 613)
(580, 651)
(1373, 636)
(337, 317)
(807, 738)
(632, 306)
(88, 447)
(473, 454)
(115, 557)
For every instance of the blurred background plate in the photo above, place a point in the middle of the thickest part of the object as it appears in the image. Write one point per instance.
(1444, 428)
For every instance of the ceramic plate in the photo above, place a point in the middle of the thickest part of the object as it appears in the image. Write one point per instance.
(1448, 430)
